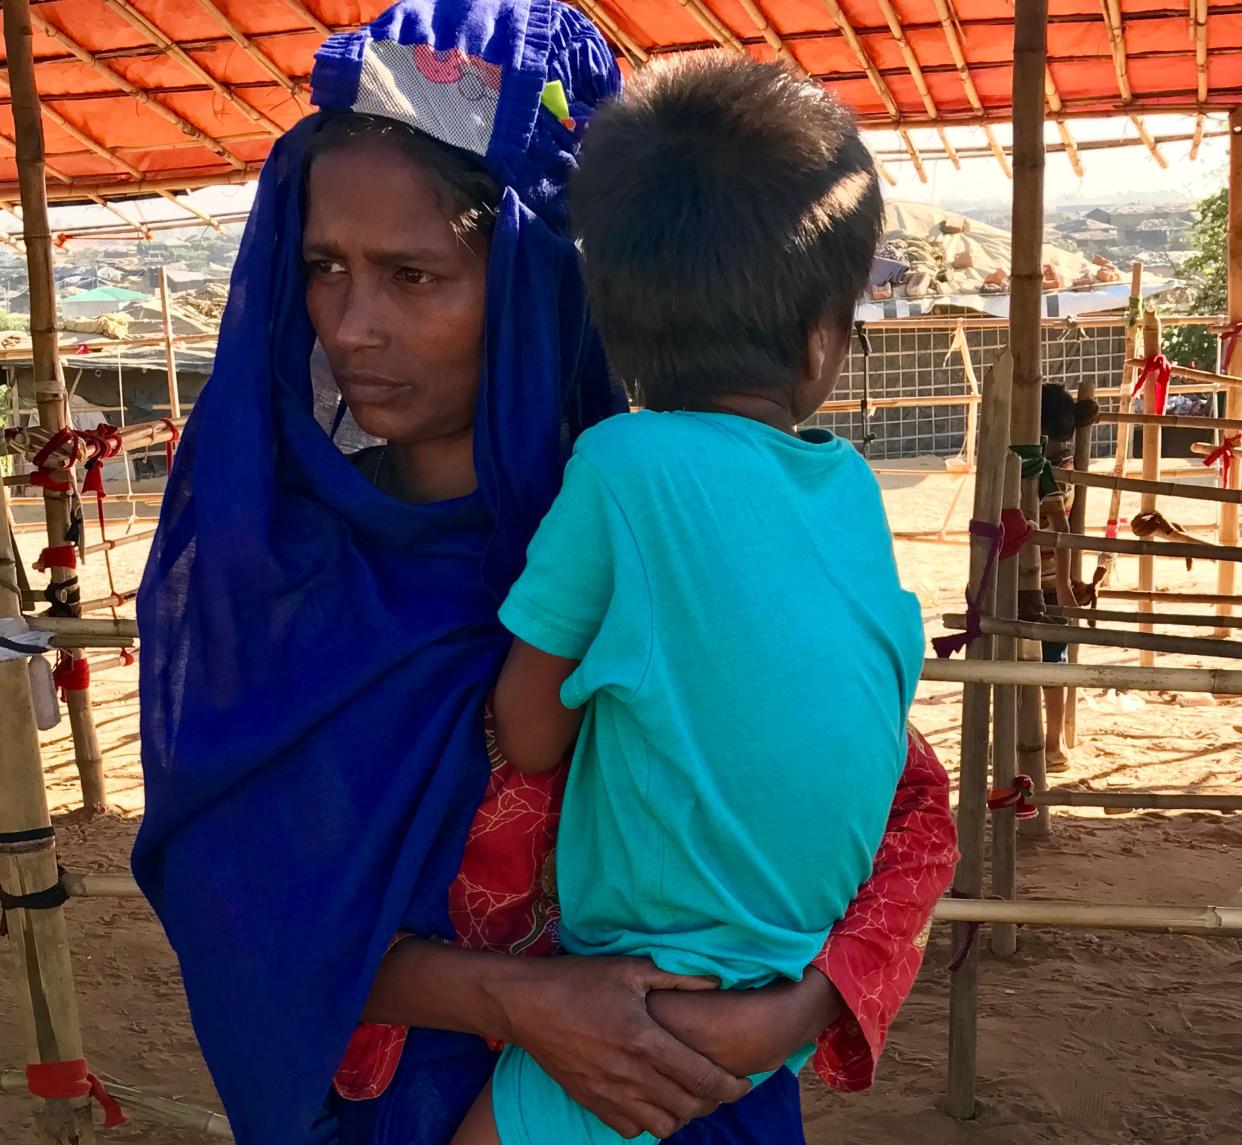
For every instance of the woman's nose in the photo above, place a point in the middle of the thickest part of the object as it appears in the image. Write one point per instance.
(361, 326)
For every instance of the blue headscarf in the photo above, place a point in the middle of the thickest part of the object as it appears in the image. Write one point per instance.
(316, 654)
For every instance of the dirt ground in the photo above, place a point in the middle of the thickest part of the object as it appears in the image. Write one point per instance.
(1085, 1039)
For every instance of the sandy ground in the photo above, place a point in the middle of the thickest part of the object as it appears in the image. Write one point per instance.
(1084, 1038)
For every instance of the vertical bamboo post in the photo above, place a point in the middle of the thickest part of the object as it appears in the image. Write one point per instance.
(1104, 565)
(1152, 440)
(170, 355)
(1228, 535)
(976, 708)
(49, 380)
(42, 972)
(1078, 524)
(1025, 314)
(1004, 936)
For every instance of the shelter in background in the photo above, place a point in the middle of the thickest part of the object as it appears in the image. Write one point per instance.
(100, 301)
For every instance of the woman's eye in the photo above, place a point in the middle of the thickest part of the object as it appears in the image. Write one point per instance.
(324, 266)
(412, 276)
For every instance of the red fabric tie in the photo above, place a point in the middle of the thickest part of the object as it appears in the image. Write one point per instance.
(172, 441)
(57, 556)
(1017, 529)
(1162, 369)
(62, 1081)
(1228, 343)
(1224, 454)
(71, 675)
(1000, 798)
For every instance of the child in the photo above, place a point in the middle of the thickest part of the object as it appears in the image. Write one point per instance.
(713, 597)
(1059, 417)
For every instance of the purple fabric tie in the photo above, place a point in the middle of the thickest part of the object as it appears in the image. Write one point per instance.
(945, 646)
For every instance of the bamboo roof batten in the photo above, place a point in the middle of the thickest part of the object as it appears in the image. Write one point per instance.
(877, 82)
(950, 26)
(251, 49)
(137, 20)
(916, 73)
(1198, 33)
(772, 36)
(146, 98)
(1055, 106)
(184, 206)
(1111, 10)
(314, 21)
(604, 19)
(712, 24)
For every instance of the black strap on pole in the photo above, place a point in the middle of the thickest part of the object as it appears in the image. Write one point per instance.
(865, 436)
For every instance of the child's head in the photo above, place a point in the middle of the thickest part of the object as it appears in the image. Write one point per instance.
(729, 215)
(1060, 415)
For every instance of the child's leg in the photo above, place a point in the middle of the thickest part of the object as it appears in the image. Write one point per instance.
(479, 1128)
(1056, 756)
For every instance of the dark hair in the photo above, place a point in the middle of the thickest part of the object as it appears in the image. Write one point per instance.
(724, 209)
(468, 194)
(1060, 415)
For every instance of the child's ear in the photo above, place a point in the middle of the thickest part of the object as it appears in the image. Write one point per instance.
(817, 350)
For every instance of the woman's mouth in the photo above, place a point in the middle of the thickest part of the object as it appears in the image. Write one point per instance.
(368, 389)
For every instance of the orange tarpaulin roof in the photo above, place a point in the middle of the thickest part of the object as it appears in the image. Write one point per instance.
(144, 95)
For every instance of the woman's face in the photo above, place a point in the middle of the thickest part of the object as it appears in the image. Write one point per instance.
(395, 296)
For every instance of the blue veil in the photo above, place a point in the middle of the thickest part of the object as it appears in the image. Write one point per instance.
(315, 654)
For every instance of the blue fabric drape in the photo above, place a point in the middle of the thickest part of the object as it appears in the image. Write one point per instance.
(315, 654)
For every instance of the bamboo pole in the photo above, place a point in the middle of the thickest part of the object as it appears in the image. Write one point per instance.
(156, 1108)
(916, 74)
(1216, 681)
(1004, 939)
(1173, 421)
(43, 976)
(189, 208)
(1226, 576)
(1116, 616)
(1140, 800)
(1055, 106)
(77, 626)
(170, 356)
(712, 23)
(1078, 524)
(976, 711)
(1104, 566)
(1175, 597)
(1152, 445)
(50, 393)
(1072, 541)
(118, 542)
(779, 48)
(1216, 921)
(1116, 39)
(1103, 637)
(253, 51)
(1161, 488)
(632, 49)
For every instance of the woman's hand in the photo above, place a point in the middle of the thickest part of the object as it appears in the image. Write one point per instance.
(750, 1031)
(586, 1021)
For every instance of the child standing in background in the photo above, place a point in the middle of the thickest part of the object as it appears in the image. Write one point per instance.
(712, 606)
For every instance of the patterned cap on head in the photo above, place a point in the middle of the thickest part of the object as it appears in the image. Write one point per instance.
(513, 83)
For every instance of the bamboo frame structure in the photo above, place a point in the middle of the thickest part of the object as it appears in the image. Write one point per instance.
(51, 396)
(1173, 421)
(1172, 597)
(1214, 681)
(1072, 541)
(1116, 616)
(1102, 637)
(1153, 436)
(1142, 485)
(1139, 800)
(1204, 377)
(1078, 524)
(170, 355)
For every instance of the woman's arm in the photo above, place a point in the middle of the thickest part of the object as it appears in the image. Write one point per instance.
(583, 1019)
(534, 730)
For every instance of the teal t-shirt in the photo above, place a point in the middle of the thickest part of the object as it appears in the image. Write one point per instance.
(748, 658)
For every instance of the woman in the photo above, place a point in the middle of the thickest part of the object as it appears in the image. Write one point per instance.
(321, 637)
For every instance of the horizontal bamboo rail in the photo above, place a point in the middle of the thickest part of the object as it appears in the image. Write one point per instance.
(118, 542)
(1159, 488)
(1074, 542)
(1174, 597)
(1102, 637)
(1190, 619)
(1170, 421)
(77, 626)
(1205, 377)
(1216, 921)
(1136, 800)
(1221, 921)
(1216, 681)
(156, 1108)
(141, 435)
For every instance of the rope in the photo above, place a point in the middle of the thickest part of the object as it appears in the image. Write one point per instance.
(945, 646)
(63, 1081)
(170, 445)
(1228, 342)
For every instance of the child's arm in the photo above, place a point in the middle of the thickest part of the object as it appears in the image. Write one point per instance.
(1059, 520)
(534, 730)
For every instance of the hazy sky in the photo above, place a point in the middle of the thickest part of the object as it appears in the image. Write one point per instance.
(1119, 173)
